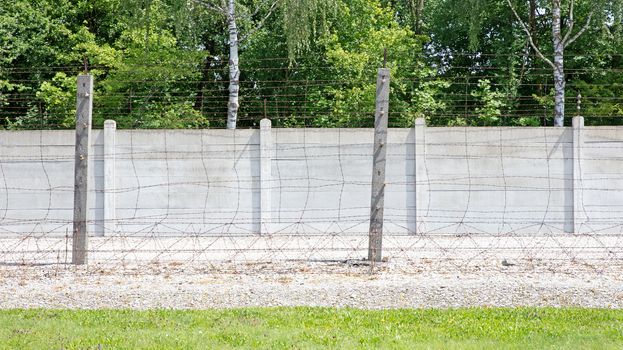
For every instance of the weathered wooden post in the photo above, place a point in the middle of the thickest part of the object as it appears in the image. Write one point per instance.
(375, 244)
(84, 108)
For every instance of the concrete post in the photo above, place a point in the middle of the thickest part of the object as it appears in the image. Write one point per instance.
(421, 176)
(377, 200)
(266, 147)
(578, 201)
(110, 128)
(84, 108)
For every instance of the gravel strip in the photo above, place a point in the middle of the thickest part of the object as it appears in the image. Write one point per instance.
(339, 284)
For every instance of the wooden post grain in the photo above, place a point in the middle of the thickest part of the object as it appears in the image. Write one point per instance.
(378, 168)
(84, 108)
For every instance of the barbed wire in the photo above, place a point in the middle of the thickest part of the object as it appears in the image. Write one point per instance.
(191, 94)
(456, 199)
(519, 199)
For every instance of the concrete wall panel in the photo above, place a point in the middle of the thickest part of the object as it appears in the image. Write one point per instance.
(172, 182)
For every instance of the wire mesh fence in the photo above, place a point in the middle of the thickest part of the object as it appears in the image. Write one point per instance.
(519, 199)
(503, 198)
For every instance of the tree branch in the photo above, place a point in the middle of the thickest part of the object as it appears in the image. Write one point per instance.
(525, 28)
(586, 26)
(210, 6)
(571, 23)
(258, 8)
(261, 23)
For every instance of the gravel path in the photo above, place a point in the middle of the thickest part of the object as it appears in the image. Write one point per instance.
(339, 284)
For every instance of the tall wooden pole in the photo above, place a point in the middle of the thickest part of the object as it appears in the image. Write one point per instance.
(84, 108)
(378, 168)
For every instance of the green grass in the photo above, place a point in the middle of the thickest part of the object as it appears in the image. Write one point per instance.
(312, 328)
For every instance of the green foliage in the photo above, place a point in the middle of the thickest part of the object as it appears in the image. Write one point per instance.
(427, 99)
(351, 50)
(163, 63)
(304, 20)
(57, 105)
(491, 103)
(123, 57)
(148, 89)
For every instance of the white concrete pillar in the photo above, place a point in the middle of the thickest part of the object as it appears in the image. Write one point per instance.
(578, 202)
(266, 148)
(110, 127)
(421, 175)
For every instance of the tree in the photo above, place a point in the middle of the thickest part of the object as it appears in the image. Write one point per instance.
(298, 14)
(560, 43)
(331, 83)
(304, 63)
(411, 12)
(36, 36)
(228, 9)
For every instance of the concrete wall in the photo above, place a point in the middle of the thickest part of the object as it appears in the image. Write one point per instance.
(599, 184)
(36, 182)
(320, 180)
(187, 182)
(497, 180)
(317, 181)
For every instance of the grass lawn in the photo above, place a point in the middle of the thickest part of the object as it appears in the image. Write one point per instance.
(311, 328)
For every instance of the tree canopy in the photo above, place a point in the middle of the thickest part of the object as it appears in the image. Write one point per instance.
(168, 63)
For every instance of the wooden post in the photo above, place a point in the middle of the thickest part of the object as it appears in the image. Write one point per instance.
(378, 168)
(84, 107)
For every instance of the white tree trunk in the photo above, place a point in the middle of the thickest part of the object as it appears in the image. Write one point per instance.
(560, 43)
(559, 65)
(234, 69)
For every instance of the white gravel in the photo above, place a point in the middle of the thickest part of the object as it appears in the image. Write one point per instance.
(180, 285)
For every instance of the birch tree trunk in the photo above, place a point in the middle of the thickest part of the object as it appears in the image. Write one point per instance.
(560, 43)
(559, 65)
(234, 69)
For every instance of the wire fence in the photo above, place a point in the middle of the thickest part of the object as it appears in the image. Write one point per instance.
(501, 198)
(448, 90)
(456, 199)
